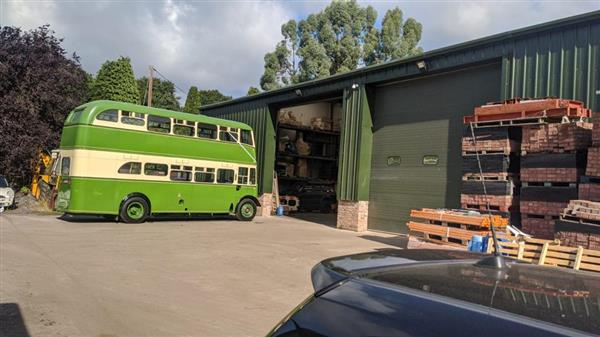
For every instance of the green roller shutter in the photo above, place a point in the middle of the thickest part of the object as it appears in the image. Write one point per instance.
(416, 119)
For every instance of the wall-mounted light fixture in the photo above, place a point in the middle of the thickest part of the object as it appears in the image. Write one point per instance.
(422, 65)
(354, 86)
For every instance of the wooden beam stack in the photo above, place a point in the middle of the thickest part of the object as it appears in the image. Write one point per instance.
(452, 226)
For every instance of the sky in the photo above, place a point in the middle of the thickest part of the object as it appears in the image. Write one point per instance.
(221, 44)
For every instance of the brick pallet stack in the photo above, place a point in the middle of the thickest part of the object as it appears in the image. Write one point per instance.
(579, 225)
(589, 188)
(553, 158)
(497, 147)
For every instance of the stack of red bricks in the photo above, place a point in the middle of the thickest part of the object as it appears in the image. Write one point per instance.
(552, 162)
(589, 188)
(579, 225)
(495, 147)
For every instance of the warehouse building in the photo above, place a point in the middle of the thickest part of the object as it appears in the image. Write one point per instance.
(387, 137)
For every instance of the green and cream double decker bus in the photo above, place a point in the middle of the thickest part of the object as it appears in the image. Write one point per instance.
(132, 161)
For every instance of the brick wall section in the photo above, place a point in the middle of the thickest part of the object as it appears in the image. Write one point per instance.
(556, 137)
(596, 130)
(589, 191)
(543, 207)
(550, 174)
(539, 228)
(593, 162)
(266, 201)
(575, 239)
(353, 215)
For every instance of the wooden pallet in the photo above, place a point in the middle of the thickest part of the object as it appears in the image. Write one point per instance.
(549, 253)
(500, 176)
(459, 218)
(548, 184)
(444, 234)
(582, 211)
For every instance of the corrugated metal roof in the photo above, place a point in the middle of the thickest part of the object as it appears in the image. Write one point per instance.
(355, 75)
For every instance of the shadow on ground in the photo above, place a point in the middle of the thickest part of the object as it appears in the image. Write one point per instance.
(113, 218)
(399, 241)
(325, 219)
(11, 321)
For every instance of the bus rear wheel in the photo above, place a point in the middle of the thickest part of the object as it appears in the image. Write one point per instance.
(246, 210)
(134, 210)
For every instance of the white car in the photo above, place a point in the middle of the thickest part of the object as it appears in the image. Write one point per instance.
(7, 195)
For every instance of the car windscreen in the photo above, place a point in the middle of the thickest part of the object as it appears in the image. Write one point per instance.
(563, 297)
(3, 182)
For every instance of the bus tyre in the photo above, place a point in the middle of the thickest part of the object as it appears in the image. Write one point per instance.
(246, 210)
(134, 210)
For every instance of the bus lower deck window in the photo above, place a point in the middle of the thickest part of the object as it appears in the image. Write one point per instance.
(65, 167)
(246, 137)
(252, 176)
(159, 124)
(131, 168)
(108, 115)
(152, 169)
(207, 131)
(204, 176)
(225, 176)
(243, 175)
(176, 175)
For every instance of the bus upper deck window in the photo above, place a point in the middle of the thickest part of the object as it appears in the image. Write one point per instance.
(131, 168)
(133, 118)
(227, 134)
(246, 137)
(108, 115)
(207, 131)
(159, 124)
(65, 166)
(152, 169)
(183, 128)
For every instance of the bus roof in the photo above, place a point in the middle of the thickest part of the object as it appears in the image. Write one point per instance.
(93, 108)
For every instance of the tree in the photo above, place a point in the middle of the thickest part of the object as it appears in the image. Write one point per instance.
(163, 93)
(338, 39)
(39, 86)
(212, 96)
(253, 91)
(115, 81)
(192, 101)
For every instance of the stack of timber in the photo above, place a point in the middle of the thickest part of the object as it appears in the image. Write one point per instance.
(579, 224)
(589, 187)
(497, 149)
(520, 111)
(549, 253)
(553, 158)
(454, 227)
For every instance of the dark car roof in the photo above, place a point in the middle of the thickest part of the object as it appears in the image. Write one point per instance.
(559, 296)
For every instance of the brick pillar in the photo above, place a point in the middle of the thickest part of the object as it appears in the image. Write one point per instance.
(353, 215)
(266, 201)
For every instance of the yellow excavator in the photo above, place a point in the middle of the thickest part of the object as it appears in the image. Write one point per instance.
(45, 182)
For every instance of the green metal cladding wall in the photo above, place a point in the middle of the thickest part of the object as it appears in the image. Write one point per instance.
(562, 63)
(356, 141)
(259, 118)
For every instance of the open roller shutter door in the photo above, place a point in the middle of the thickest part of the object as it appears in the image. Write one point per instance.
(416, 119)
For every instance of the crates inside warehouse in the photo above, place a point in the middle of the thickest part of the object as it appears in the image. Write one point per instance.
(557, 154)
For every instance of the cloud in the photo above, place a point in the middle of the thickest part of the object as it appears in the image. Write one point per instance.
(221, 45)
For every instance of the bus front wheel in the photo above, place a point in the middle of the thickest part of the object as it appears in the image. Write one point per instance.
(134, 210)
(246, 210)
